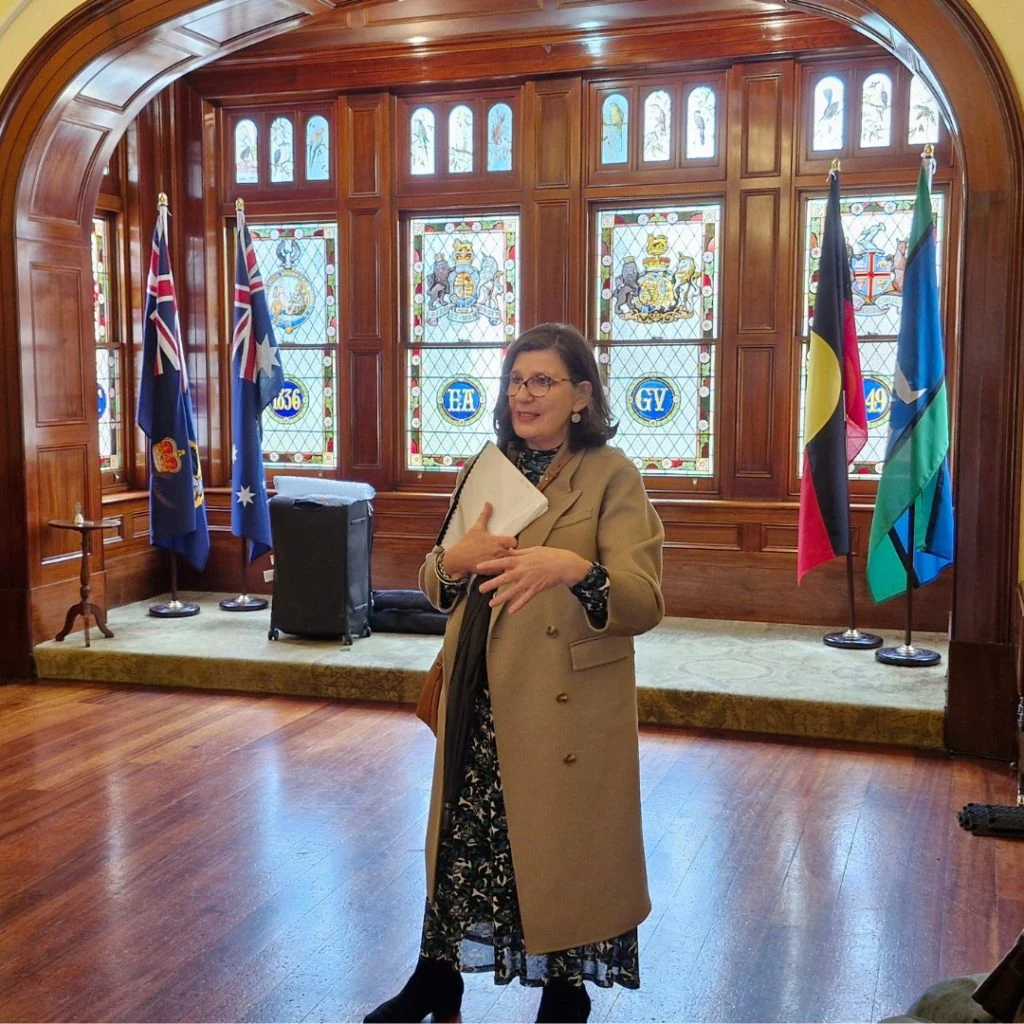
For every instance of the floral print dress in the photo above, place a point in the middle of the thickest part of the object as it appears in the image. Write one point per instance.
(474, 921)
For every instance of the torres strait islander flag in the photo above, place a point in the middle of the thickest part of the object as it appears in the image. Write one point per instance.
(835, 420)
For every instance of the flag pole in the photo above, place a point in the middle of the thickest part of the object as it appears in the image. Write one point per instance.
(245, 602)
(907, 654)
(175, 608)
(851, 638)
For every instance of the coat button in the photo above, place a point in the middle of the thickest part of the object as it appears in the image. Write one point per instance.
(562, 698)
(569, 759)
(552, 631)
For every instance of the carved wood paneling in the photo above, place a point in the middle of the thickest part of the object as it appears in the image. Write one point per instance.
(755, 417)
(364, 144)
(549, 274)
(555, 149)
(762, 124)
(363, 278)
(758, 279)
(70, 154)
(363, 422)
(64, 475)
(58, 354)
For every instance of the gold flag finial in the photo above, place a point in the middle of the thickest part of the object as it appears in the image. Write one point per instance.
(928, 152)
(834, 169)
(161, 199)
(240, 205)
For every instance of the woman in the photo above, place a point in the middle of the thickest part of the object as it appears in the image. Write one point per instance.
(535, 862)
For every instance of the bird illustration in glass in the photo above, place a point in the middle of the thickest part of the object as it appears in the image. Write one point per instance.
(831, 105)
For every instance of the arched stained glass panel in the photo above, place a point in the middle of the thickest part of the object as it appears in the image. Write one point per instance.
(700, 123)
(282, 150)
(499, 138)
(318, 148)
(460, 140)
(924, 114)
(876, 111)
(615, 130)
(658, 126)
(246, 153)
(829, 114)
(421, 141)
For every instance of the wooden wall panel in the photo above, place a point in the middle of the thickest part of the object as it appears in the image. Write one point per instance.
(364, 411)
(58, 355)
(762, 124)
(70, 155)
(759, 257)
(363, 279)
(64, 475)
(361, 154)
(556, 133)
(549, 274)
(755, 379)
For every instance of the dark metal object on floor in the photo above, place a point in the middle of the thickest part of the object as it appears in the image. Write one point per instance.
(174, 609)
(1000, 819)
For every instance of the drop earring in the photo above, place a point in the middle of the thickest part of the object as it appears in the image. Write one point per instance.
(575, 417)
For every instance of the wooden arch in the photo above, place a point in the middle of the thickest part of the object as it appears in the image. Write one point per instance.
(73, 97)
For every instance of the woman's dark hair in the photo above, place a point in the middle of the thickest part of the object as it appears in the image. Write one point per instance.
(596, 425)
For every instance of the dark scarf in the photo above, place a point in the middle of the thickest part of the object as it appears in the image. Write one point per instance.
(469, 673)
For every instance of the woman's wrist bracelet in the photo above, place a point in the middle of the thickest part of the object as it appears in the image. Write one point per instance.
(443, 576)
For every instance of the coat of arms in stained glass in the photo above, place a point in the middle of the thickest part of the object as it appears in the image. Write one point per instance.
(657, 284)
(462, 313)
(298, 263)
(876, 229)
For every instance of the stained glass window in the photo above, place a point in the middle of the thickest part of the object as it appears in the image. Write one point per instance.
(829, 102)
(318, 141)
(282, 161)
(246, 159)
(700, 123)
(460, 140)
(924, 114)
(421, 141)
(463, 311)
(108, 352)
(876, 111)
(615, 130)
(658, 284)
(877, 229)
(300, 276)
(658, 126)
(499, 138)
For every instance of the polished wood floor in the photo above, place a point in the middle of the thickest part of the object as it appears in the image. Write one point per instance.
(173, 856)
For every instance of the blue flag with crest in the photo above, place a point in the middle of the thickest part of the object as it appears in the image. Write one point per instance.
(177, 507)
(256, 377)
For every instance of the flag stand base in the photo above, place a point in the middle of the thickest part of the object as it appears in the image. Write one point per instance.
(244, 603)
(852, 640)
(908, 655)
(174, 609)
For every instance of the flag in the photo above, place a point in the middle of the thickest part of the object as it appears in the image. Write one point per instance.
(835, 420)
(916, 471)
(177, 507)
(256, 377)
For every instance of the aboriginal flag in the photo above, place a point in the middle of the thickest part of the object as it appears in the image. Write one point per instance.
(835, 421)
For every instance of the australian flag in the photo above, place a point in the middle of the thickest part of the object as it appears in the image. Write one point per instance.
(256, 377)
(177, 507)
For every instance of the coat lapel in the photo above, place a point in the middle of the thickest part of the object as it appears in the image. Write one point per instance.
(561, 497)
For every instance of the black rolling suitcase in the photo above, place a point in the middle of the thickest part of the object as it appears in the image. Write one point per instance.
(321, 566)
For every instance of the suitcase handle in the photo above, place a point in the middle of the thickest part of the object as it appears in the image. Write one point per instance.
(306, 503)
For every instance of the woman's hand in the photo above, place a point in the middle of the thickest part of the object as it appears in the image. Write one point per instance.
(476, 546)
(529, 571)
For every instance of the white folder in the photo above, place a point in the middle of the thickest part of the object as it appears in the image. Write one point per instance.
(515, 501)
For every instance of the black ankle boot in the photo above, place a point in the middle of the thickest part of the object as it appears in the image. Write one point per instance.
(435, 988)
(563, 1002)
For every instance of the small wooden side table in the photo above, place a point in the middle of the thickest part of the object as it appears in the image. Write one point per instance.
(85, 607)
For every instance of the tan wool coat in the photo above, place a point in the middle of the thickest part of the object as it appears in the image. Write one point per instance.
(563, 696)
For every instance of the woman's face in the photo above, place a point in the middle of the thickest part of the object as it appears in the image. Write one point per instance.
(543, 422)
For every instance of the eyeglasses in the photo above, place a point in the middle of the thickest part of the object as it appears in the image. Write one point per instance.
(538, 385)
